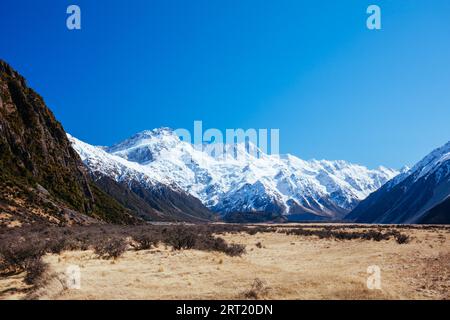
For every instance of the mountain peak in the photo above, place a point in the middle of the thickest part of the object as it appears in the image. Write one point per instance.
(164, 137)
(10, 72)
(432, 161)
(156, 132)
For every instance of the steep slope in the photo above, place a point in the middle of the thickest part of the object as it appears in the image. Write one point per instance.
(415, 196)
(440, 214)
(41, 176)
(241, 181)
(133, 186)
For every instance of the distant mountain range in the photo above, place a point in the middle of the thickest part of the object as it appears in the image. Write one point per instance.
(51, 177)
(242, 182)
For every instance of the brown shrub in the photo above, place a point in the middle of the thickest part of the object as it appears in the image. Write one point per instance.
(235, 250)
(145, 241)
(182, 238)
(258, 290)
(402, 238)
(335, 232)
(15, 256)
(111, 248)
(35, 269)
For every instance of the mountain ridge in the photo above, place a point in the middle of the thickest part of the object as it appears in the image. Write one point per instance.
(238, 181)
(416, 196)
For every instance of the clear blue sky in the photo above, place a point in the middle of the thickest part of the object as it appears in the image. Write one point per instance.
(335, 89)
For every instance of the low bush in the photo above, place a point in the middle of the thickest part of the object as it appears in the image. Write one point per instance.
(330, 232)
(182, 238)
(35, 269)
(15, 256)
(235, 250)
(110, 248)
(145, 241)
(258, 290)
(402, 238)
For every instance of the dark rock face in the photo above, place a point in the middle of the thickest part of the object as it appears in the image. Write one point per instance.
(34, 151)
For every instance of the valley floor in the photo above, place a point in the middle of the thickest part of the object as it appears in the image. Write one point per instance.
(275, 266)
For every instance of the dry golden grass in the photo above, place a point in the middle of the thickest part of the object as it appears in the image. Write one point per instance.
(288, 267)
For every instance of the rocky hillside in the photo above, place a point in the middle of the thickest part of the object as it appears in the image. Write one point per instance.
(41, 177)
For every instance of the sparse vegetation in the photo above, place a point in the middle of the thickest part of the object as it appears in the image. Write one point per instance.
(21, 246)
(330, 232)
(110, 248)
(235, 250)
(182, 238)
(25, 251)
(402, 238)
(35, 269)
(23, 256)
(145, 241)
(258, 290)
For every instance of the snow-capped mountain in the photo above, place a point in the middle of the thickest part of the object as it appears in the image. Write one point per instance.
(418, 195)
(240, 181)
